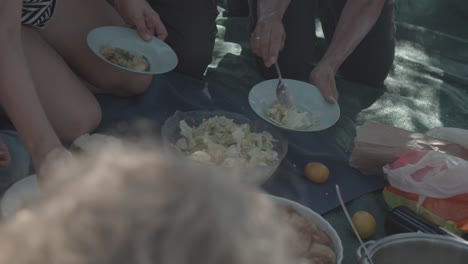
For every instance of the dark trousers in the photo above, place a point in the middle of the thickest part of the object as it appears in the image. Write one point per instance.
(369, 63)
(191, 25)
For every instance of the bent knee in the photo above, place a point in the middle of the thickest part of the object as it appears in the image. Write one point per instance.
(79, 122)
(369, 68)
(373, 77)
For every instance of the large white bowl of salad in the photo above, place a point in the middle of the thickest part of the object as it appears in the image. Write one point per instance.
(227, 140)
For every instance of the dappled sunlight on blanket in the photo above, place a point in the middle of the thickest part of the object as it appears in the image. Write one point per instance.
(222, 48)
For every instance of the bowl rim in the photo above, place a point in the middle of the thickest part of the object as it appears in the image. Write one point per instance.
(375, 245)
(329, 229)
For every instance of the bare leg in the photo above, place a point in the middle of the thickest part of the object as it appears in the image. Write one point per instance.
(70, 107)
(67, 32)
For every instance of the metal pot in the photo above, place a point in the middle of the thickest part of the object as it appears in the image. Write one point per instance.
(415, 248)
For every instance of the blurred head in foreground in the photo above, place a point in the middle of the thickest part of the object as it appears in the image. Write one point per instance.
(134, 206)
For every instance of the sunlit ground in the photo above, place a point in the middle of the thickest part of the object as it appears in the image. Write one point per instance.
(222, 47)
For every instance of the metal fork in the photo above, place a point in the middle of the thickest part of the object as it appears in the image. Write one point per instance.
(282, 93)
(345, 210)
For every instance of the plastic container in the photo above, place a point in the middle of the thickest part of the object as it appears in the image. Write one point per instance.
(252, 175)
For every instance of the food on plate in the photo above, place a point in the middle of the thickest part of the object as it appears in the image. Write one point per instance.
(220, 141)
(309, 243)
(316, 172)
(125, 58)
(291, 118)
(365, 224)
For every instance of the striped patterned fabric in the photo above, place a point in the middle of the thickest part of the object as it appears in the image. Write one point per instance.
(36, 13)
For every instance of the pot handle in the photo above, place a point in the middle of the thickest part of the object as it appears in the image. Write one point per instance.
(360, 254)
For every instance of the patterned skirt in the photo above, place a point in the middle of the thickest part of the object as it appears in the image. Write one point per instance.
(37, 13)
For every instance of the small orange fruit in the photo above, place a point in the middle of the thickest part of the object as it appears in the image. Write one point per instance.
(365, 224)
(316, 172)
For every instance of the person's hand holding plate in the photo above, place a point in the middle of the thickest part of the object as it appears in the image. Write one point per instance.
(139, 14)
(323, 76)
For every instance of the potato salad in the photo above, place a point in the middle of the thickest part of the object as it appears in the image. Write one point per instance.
(221, 141)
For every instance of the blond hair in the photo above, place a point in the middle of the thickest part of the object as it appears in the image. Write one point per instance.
(129, 205)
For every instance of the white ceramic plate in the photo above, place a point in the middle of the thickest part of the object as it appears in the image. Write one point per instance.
(160, 56)
(23, 191)
(317, 219)
(306, 96)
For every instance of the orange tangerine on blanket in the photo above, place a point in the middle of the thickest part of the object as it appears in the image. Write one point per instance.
(317, 172)
(365, 224)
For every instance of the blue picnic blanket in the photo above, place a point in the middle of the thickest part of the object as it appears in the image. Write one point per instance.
(174, 92)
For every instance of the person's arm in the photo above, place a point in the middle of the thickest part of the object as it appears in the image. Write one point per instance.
(267, 9)
(269, 35)
(18, 96)
(143, 17)
(356, 20)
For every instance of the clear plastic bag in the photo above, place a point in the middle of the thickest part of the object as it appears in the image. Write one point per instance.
(429, 174)
(455, 135)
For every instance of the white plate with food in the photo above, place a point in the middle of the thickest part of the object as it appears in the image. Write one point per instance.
(316, 241)
(124, 48)
(312, 112)
(20, 195)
